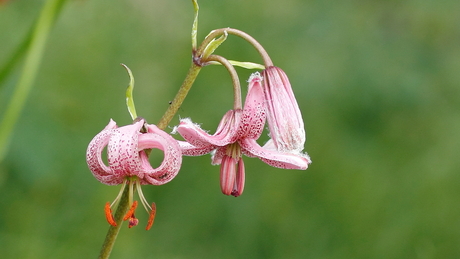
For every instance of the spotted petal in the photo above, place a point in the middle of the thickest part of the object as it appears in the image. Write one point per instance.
(274, 157)
(123, 152)
(191, 150)
(253, 117)
(226, 132)
(127, 157)
(100, 170)
(156, 138)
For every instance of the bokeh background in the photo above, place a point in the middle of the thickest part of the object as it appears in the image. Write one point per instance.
(378, 83)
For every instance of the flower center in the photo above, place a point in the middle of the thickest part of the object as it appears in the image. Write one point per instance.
(132, 182)
(234, 151)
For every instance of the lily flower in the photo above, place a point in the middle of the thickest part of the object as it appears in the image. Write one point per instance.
(128, 162)
(283, 114)
(236, 135)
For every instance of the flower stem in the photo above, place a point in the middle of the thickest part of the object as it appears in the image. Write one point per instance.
(267, 61)
(113, 230)
(236, 81)
(180, 96)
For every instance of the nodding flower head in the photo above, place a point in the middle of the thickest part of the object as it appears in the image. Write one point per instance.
(236, 135)
(128, 163)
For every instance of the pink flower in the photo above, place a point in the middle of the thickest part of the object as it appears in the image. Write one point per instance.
(283, 114)
(236, 135)
(128, 161)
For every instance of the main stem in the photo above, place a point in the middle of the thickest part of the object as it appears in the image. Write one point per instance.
(113, 231)
(180, 96)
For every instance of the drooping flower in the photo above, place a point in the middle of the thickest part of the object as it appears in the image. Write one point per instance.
(128, 162)
(236, 135)
(283, 114)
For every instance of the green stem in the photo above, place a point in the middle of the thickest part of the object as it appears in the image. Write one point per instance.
(180, 96)
(112, 234)
(266, 58)
(29, 72)
(237, 103)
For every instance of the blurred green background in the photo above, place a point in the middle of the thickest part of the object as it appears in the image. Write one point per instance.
(378, 83)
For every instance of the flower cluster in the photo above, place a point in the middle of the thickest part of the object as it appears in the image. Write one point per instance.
(270, 100)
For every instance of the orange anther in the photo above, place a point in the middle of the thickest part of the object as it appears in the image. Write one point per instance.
(131, 211)
(151, 216)
(108, 215)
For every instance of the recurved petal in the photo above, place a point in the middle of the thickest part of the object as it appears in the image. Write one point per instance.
(253, 118)
(110, 179)
(112, 125)
(226, 132)
(156, 138)
(190, 150)
(122, 150)
(273, 157)
(218, 154)
(101, 171)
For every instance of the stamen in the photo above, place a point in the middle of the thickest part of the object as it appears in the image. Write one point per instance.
(120, 193)
(131, 211)
(151, 216)
(108, 215)
(130, 194)
(142, 197)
